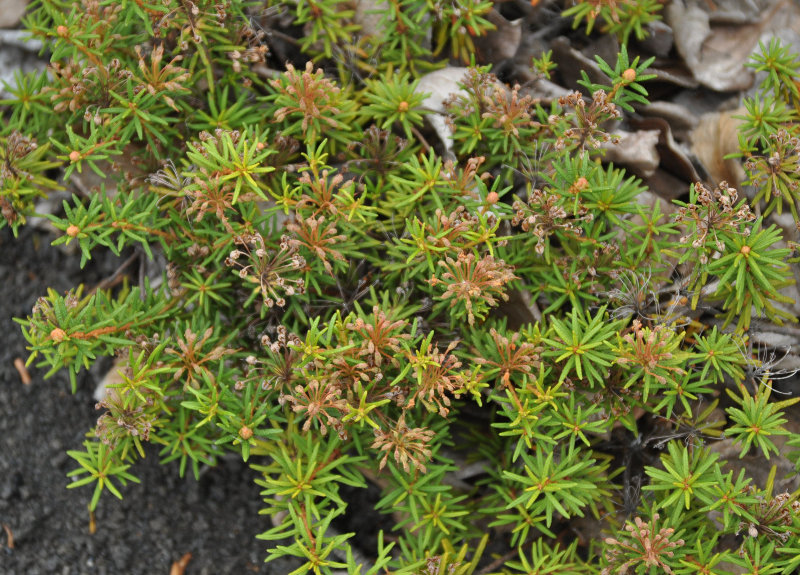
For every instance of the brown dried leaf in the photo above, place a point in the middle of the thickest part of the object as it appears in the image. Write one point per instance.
(571, 62)
(713, 139)
(674, 159)
(680, 118)
(716, 52)
(634, 150)
(502, 43)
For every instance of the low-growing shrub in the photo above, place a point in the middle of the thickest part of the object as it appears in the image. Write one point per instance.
(501, 337)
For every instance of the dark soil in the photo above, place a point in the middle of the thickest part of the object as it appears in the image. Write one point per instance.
(158, 521)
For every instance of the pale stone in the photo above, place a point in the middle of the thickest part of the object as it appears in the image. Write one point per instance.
(11, 11)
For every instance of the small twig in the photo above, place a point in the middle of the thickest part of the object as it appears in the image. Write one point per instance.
(285, 37)
(497, 563)
(264, 72)
(425, 145)
(179, 566)
(471, 470)
(142, 273)
(531, 304)
(112, 279)
(366, 563)
(9, 536)
(24, 375)
(78, 183)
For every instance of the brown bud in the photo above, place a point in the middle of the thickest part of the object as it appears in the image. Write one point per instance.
(745, 251)
(73, 230)
(8, 211)
(62, 31)
(58, 335)
(629, 75)
(403, 106)
(245, 432)
(74, 156)
(492, 198)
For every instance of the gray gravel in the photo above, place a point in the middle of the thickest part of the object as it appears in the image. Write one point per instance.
(158, 521)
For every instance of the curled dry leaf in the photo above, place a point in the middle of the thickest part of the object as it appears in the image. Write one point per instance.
(502, 42)
(659, 39)
(716, 53)
(675, 160)
(717, 69)
(571, 61)
(634, 150)
(440, 84)
(714, 138)
(680, 119)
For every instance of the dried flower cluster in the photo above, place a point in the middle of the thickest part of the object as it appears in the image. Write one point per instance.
(646, 545)
(544, 213)
(474, 283)
(716, 211)
(275, 272)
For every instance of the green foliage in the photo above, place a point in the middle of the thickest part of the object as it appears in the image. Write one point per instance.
(501, 337)
(582, 345)
(548, 560)
(759, 271)
(756, 419)
(619, 18)
(24, 176)
(686, 477)
(99, 465)
(550, 485)
(768, 138)
(626, 77)
(395, 99)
